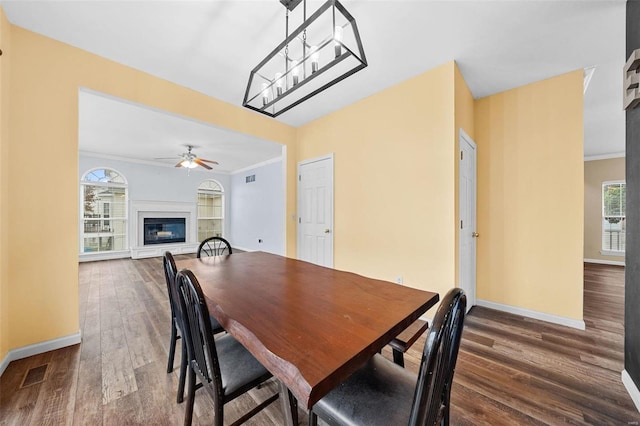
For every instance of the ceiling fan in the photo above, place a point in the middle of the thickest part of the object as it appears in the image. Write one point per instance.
(190, 160)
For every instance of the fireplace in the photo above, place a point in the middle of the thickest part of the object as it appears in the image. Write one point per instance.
(164, 230)
(151, 239)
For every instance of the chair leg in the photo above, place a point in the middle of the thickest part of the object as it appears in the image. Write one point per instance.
(183, 373)
(191, 392)
(172, 346)
(398, 357)
(313, 418)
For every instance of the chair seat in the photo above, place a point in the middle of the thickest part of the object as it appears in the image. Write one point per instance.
(239, 370)
(379, 393)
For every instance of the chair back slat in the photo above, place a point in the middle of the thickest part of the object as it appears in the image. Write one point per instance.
(433, 388)
(214, 246)
(201, 347)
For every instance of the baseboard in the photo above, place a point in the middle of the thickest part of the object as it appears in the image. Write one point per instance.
(107, 255)
(39, 348)
(556, 319)
(243, 249)
(633, 390)
(605, 262)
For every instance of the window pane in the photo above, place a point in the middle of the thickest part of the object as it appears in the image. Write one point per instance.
(103, 175)
(613, 221)
(612, 200)
(210, 210)
(209, 228)
(105, 211)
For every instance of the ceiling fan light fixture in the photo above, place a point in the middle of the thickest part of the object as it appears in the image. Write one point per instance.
(189, 164)
(321, 52)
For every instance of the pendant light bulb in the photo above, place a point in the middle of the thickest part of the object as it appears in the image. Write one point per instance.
(315, 58)
(265, 94)
(278, 80)
(295, 72)
(337, 36)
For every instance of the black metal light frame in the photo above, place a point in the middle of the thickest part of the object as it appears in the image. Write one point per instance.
(358, 54)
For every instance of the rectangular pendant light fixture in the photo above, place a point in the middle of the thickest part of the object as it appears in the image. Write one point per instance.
(321, 52)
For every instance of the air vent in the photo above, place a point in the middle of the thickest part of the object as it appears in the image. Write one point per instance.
(250, 178)
(35, 375)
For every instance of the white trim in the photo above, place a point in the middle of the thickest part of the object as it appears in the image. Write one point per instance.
(605, 262)
(605, 156)
(632, 389)
(146, 162)
(105, 255)
(255, 166)
(243, 249)
(587, 74)
(161, 164)
(543, 316)
(39, 348)
(612, 253)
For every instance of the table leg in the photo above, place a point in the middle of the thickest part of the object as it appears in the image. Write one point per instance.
(289, 406)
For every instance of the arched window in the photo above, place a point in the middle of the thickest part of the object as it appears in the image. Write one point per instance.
(210, 209)
(103, 198)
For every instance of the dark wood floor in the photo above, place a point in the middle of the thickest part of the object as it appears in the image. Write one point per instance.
(511, 370)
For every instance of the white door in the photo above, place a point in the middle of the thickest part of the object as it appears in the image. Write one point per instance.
(468, 231)
(315, 211)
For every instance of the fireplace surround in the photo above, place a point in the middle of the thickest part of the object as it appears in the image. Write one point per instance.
(161, 238)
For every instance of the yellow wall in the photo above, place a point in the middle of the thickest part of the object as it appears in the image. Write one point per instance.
(531, 196)
(43, 96)
(4, 183)
(394, 169)
(595, 173)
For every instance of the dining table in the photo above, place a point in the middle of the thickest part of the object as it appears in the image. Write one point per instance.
(309, 325)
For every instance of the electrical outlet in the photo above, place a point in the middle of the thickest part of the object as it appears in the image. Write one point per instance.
(399, 279)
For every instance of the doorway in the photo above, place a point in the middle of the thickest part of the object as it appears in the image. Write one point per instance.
(315, 211)
(468, 232)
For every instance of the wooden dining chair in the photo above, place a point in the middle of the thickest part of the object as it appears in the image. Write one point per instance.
(222, 365)
(214, 246)
(383, 393)
(170, 271)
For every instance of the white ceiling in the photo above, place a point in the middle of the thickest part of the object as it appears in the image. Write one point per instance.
(112, 127)
(211, 46)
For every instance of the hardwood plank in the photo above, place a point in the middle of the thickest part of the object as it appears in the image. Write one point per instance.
(56, 400)
(118, 378)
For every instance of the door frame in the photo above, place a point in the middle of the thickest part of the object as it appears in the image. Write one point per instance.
(465, 138)
(330, 157)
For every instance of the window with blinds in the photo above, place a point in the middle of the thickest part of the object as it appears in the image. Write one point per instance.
(613, 216)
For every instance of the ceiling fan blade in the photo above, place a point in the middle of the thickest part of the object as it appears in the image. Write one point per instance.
(208, 161)
(200, 163)
(179, 164)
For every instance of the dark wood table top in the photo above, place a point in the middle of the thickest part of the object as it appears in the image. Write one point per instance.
(310, 326)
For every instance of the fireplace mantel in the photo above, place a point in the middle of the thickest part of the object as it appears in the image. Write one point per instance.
(139, 210)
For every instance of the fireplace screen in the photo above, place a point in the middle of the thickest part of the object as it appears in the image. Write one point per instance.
(163, 230)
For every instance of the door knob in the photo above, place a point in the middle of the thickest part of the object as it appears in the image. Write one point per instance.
(327, 231)
(475, 235)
